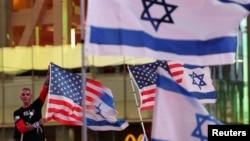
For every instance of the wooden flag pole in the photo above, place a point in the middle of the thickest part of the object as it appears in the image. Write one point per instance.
(138, 108)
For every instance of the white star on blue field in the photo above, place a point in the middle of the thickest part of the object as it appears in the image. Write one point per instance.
(166, 17)
(200, 78)
(201, 119)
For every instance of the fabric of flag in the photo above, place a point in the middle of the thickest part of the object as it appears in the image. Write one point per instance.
(178, 115)
(144, 138)
(145, 77)
(101, 112)
(196, 32)
(176, 69)
(65, 102)
(198, 81)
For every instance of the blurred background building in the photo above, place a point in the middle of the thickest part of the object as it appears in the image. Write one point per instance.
(34, 33)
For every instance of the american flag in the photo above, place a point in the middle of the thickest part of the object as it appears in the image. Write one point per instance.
(65, 97)
(145, 77)
(65, 102)
(176, 70)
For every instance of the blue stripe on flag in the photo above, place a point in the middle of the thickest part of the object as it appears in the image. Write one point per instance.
(245, 5)
(203, 95)
(142, 39)
(107, 99)
(92, 122)
(170, 85)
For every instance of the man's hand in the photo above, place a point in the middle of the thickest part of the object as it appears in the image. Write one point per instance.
(42, 121)
(36, 125)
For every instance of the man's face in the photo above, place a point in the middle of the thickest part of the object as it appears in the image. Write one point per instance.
(26, 96)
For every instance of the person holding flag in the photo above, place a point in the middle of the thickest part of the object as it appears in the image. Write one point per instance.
(28, 118)
(65, 102)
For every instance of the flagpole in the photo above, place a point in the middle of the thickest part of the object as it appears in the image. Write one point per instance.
(21, 139)
(138, 108)
(84, 121)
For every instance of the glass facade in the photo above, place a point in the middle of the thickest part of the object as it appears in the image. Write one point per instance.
(34, 33)
(231, 83)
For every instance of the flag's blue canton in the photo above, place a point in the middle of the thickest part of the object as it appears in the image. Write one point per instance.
(66, 84)
(198, 79)
(156, 21)
(246, 6)
(146, 75)
(201, 119)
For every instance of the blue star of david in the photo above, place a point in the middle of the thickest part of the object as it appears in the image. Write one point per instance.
(157, 21)
(201, 119)
(200, 78)
(99, 111)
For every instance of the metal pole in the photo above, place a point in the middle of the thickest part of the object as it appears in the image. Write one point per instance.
(248, 64)
(84, 121)
(138, 108)
(21, 139)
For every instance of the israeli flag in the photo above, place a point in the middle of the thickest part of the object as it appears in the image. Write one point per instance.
(198, 81)
(196, 32)
(178, 116)
(100, 109)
